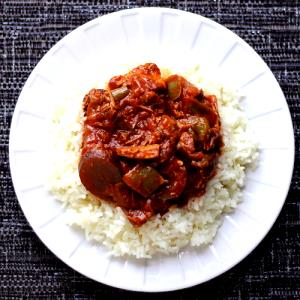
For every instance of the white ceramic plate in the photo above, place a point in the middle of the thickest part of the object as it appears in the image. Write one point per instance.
(169, 38)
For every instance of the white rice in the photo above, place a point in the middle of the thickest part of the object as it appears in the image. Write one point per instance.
(194, 225)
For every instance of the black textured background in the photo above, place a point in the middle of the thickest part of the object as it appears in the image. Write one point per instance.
(28, 30)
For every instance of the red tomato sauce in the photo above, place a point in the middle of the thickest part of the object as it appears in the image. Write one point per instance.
(149, 142)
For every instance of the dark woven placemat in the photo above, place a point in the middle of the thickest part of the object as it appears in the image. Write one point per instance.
(28, 30)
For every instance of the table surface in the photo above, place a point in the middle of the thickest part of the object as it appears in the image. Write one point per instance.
(28, 30)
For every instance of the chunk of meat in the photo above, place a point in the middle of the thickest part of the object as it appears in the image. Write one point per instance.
(176, 175)
(139, 152)
(98, 172)
(96, 101)
(137, 216)
(186, 143)
(125, 197)
(168, 134)
(100, 112)
(167, 126)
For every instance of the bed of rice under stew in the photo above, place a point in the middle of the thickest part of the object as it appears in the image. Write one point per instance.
(150, 162)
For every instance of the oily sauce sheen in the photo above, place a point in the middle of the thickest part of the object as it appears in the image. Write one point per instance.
(149, 142)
